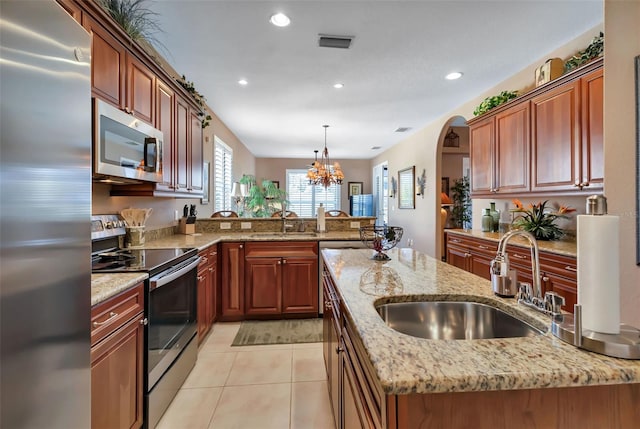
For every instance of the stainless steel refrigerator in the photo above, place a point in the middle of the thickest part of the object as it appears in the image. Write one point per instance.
(45, 208)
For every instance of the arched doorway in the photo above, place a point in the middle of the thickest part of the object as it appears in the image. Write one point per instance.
(454, 172)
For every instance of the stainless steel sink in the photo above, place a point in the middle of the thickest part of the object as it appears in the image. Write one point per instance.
(448, 320)
(281, 234)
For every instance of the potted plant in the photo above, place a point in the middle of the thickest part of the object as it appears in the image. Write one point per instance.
(461, 210)
(265, 198)
(539, 220)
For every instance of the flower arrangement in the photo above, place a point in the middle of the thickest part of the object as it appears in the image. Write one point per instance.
(539, 220)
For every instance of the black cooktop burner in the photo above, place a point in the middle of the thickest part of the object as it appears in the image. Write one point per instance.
(144, 260)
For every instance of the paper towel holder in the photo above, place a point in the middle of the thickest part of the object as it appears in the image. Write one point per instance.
(568, 327)
(597, 205)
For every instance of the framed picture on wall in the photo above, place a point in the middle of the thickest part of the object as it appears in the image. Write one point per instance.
(355, 188)
(277, 183)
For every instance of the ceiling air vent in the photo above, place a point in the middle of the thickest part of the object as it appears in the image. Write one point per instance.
(402, 129)
(327, 41)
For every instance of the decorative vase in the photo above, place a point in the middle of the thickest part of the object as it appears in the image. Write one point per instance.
(495, 216)
(487, 221)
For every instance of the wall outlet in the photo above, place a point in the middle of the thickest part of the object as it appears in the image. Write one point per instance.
(409, 242)
(176, 215)
(225, 225)
(355, 225)
(245, 225)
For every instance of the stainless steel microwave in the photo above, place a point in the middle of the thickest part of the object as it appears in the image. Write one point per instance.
(124, 147)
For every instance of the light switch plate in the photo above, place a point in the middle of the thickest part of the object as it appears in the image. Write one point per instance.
(225, 225)
(245, 225)
(355, 225)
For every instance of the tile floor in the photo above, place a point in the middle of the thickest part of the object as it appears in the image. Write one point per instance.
(276, 386)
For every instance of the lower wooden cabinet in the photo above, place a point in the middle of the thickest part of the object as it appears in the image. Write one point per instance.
(207, 290)
(281, 278)
(117, 359)
(232, 281)
(557, 272)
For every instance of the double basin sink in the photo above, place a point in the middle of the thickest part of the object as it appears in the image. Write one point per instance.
(453, 320)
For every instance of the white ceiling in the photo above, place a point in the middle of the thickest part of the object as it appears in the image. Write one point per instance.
(393, 73)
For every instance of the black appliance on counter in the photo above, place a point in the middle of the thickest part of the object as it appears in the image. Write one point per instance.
(170, 308)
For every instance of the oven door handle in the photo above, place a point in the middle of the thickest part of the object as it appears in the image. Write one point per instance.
(158, 281)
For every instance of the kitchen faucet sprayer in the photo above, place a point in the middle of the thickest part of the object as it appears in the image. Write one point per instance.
(504, 279)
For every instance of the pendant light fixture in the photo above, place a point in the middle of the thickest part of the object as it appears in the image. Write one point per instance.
(322, 172)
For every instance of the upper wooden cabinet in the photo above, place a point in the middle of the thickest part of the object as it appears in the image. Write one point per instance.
(108, 64)
(547, 141)
(500, 153)
(124, 75)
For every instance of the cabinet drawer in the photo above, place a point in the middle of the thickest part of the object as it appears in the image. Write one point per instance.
(565, 266)
(281, 249)
(109, 315)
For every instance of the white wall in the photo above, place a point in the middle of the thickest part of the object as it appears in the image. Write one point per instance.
(622, 44)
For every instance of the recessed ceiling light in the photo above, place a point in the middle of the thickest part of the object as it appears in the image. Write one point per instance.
(453, 76)
(338, 85)
(243, 82)
(279, 20)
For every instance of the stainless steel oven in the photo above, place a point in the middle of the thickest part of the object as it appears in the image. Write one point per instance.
(170, 308)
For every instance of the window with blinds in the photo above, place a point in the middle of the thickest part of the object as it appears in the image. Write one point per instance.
(304, 199)
(223, 161)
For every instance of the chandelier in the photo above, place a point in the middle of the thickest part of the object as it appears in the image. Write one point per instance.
(322, 172)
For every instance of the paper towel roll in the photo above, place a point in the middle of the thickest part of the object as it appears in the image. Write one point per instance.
(599, 273)
(321, 221)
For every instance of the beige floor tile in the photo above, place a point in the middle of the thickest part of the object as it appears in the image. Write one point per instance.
(308, 365)
(308, 346)
(310, 406)
(261, 367)
(191, 409)
(211, 370)
(263, 406)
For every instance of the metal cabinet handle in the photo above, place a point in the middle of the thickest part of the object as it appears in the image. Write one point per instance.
(515, 255)
(466, 255)
(327, 305)
(241, 246)
(205, 259)
(483, 247)
(584, 184)
(454, 240)
(111, 316)
(284, 261)
(279, 262)
(210, 270)
(570, 268)
(200, 278)
(339, 350)
(545, 279)
(144, 321)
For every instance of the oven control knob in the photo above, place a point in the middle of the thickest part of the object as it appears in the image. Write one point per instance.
(108, 225)
(121, 224)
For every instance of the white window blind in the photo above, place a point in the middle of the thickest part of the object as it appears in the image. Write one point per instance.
(223, 161)
(304, 199)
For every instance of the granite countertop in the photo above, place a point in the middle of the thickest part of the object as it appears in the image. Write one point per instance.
(406, 364)
(104, 286)
(561, 247)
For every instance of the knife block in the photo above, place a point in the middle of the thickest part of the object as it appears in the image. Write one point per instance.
(186, 228)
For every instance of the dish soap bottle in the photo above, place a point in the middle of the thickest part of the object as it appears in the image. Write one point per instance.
(320, 221)
(487, 221)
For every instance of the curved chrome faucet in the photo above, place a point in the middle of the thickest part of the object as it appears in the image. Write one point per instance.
(504, 279)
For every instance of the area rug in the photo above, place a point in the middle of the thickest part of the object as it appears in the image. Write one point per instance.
(279, 332)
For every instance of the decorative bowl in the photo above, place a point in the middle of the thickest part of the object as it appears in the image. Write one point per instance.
(380, 239)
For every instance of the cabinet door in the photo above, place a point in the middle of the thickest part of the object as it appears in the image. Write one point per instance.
(116, 378)
(182, 144)
(300, 285)
(141, 90)
(204, 287)
(592, 172)
(108, 67)
(195, 180)
(480, 266)
(512, 149)
(232, 279)
(165, 103)
(555, 139)
(213, 296)
(263, 294)
(458, 257)
(481, 137)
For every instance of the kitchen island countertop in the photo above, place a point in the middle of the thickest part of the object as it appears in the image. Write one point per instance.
(406, 364)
